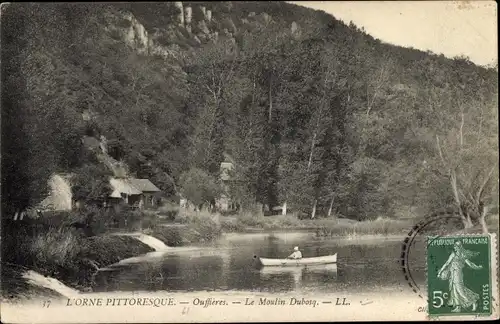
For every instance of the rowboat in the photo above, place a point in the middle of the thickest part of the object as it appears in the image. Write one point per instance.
(299, 262)
(306, 268)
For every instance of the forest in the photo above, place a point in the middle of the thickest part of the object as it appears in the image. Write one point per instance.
(312, 110)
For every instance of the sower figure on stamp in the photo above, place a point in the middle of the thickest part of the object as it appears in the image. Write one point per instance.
(460, 296)
(296, 254)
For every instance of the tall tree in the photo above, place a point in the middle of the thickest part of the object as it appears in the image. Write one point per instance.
(212, 71)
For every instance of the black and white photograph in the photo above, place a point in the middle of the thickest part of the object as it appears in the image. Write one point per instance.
(249, 161)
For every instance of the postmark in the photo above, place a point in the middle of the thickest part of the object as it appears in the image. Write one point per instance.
(460, 275)
(417, 233)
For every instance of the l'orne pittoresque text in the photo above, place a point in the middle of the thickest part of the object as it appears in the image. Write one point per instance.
(201, 302)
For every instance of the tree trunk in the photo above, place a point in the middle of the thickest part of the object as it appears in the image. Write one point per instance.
(482, 220)
(283, 211)
(253, 92)
(331, 206)
(462, 131)
(468, 222)
(465, 219)
(312, 151)
(313, 213)
(270, 99)
(484, 228)
(309, 163)
(313, 142)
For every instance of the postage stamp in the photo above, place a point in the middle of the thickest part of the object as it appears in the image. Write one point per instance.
(459, 275)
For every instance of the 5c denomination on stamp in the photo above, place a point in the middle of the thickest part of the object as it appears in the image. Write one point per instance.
(459, 275)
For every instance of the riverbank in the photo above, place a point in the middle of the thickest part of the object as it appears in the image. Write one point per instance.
(66, 255)
(199, 227)
(334, 227)
(74, 258)
(323, 227)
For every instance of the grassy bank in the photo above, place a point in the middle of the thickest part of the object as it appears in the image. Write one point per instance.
(330, 227)
(324, 227)
(62, 253)
(203, 226)
(53, 248)
(189, 228)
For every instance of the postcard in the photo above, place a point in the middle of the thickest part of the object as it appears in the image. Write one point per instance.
(182, 162)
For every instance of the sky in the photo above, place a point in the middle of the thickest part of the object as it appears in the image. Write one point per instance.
(452, 28)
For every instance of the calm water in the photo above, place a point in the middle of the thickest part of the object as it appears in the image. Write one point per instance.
(230, 264)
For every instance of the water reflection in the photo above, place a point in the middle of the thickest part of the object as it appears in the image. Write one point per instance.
(233, 265)
(300, 274)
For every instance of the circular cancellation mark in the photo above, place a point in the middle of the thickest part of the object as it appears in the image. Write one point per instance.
(408, 242)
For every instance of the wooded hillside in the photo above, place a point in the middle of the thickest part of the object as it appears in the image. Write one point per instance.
(313, 111)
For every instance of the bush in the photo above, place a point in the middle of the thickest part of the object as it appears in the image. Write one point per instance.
(204, 226)
(123, 218)
(231, 224)
(60, 219)
(380, 226)
(169, 210)
(193, 232)
(109, 249)
(252, 220)
(65, 254)
(199, 187)
(94, 220)
(273, 222)
(171, 236)
(90, 183)
(149, 220)
(56, 247)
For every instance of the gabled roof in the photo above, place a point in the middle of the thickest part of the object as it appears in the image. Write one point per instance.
(144, 185)
(131, 186)
(123, 186)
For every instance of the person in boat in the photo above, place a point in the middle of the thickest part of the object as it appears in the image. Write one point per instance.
(296, 254)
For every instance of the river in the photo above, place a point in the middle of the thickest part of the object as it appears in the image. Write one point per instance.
(366, 284)
(231, 264)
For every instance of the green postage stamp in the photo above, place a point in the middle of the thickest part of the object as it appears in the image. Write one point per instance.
(461, 275)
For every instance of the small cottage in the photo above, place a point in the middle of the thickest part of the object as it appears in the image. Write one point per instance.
(138, 193)
(226, 202)
(149, 191)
